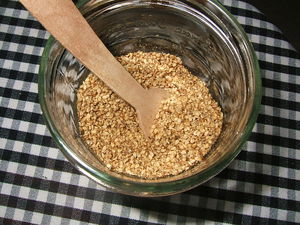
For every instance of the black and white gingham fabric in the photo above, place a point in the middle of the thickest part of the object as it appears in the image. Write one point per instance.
(38, 185)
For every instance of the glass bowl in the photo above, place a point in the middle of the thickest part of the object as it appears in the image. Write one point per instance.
(211, 44)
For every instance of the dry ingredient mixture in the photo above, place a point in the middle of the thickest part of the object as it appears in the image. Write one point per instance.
(187, 125)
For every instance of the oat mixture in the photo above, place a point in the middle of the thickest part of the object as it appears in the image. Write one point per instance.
(187, 125)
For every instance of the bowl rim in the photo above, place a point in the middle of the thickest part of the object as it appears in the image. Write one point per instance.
(153, 188)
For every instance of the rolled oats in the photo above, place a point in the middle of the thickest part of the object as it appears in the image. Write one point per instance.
(186, 127)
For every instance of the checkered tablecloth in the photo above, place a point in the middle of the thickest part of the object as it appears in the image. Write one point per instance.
(38, 185)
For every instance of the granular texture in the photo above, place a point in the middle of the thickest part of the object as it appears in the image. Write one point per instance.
(187, 125)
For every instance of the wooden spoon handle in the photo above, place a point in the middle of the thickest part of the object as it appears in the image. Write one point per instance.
(65, 22)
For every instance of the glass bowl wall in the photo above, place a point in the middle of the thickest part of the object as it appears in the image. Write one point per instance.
(211, 45)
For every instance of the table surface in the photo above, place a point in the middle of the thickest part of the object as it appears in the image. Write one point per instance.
(38, 185)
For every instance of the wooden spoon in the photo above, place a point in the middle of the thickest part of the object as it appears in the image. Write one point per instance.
(64, 21)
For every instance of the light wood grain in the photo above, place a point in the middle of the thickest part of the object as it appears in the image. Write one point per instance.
(65, 22)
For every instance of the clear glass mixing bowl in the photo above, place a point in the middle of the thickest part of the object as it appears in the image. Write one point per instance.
(211, 44)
